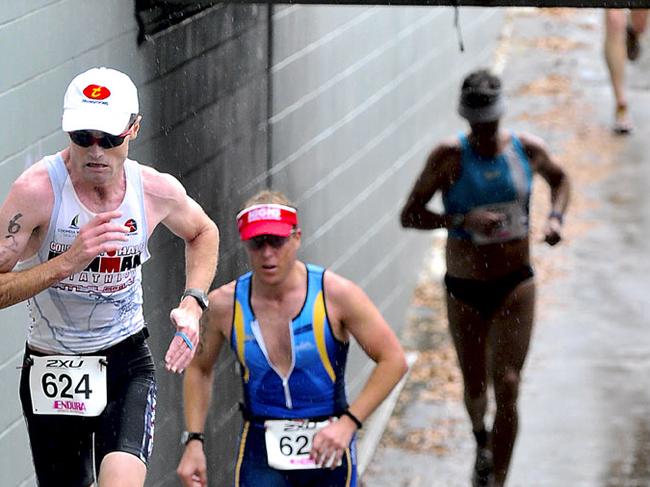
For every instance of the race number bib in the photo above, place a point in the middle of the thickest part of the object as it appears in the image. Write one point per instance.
(69, 385)
(514, 226)
(288, 442)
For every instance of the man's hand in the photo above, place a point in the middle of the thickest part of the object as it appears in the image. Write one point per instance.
(97, 236)
(192, 469)
(183, 345)
(330, 443)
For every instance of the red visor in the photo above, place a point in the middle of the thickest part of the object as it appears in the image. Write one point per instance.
(266, 219)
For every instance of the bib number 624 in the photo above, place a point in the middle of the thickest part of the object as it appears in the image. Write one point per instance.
(51, 384)
(74, 387)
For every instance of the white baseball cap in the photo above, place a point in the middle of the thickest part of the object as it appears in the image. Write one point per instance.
(99, 99)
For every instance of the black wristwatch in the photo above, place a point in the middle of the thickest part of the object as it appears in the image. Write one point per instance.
(197, 294)
(188, 436)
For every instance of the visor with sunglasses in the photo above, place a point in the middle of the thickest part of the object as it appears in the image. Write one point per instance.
(86, 138)
(273, 241)
(266, 219)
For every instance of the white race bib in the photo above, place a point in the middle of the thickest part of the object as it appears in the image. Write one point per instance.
(288, 442)
(514, 226)
(68, 384)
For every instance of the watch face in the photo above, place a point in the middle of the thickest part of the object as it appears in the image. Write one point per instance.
(188, 436)
(199, 295)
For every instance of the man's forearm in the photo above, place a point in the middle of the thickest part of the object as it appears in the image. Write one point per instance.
(382, 380)
(201, 257)
(197, 395)
(16, 287)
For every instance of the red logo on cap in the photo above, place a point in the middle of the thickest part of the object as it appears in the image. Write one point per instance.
(96, 92)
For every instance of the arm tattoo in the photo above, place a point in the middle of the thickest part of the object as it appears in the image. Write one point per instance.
(10, 242)
(14, 226)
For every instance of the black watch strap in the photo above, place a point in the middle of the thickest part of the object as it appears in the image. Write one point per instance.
(188, 436)
(197, 294)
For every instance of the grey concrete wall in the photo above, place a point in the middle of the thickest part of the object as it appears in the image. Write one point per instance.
(358, 95)
(207, 106)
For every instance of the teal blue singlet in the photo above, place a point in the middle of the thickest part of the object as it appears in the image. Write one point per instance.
(314, 386)
(484, 181)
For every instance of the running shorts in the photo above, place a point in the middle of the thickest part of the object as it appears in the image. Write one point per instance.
(64, 447)
(252, 469)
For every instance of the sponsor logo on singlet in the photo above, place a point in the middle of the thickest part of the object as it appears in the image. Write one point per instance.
(108, 272)
(131, 225)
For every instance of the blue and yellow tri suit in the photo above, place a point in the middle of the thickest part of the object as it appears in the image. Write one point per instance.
(313, 388)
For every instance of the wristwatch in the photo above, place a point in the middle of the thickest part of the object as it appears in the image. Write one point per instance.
(197, 294)
(188, 436)
(557, 215)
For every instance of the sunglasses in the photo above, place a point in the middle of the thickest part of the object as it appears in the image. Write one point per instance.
(258, 243)
(86, 138)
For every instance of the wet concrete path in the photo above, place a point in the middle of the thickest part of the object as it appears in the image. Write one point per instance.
(585, 399)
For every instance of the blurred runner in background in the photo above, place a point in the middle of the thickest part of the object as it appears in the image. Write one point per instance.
(622, 32)
(485, 177)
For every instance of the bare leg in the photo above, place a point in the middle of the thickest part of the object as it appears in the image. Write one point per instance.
(469, 333)
(635, 27)
(615, 56)
(120, 469)
(639, 20)
(510, 335)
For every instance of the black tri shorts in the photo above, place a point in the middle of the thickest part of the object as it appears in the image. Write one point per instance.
(65, 447)
(486, 296)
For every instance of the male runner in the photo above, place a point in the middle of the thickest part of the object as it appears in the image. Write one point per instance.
(290, 325)
(77, 224)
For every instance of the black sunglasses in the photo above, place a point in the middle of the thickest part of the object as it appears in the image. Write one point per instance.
(257, 243)
(85, 138)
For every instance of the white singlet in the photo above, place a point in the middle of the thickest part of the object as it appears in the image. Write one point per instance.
(101, 305)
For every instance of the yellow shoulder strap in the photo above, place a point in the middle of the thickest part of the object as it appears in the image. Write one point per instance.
(319, 334)
(241, 337)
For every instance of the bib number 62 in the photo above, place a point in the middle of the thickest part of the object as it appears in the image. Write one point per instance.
(295, 445)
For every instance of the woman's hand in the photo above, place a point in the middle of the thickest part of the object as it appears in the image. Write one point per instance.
(553, 230)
